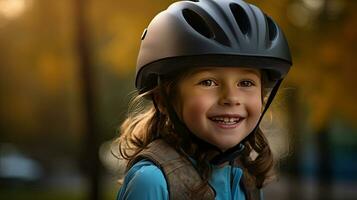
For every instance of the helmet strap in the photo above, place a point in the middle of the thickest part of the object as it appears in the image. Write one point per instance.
(158, 115)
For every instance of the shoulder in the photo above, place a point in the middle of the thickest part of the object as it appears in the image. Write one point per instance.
(146, 172)
(144, 180)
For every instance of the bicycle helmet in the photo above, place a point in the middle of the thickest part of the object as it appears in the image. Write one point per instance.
(211, 33)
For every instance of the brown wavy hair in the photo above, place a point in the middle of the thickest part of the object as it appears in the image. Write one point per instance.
(145, 123)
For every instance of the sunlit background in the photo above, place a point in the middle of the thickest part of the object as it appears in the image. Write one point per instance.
(67, 68)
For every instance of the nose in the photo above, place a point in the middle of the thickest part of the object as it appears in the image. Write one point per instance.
(229, 96)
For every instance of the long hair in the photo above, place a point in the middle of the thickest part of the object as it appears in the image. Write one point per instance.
(145, 123)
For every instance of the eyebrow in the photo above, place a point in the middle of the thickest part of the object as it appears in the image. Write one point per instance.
(256, 72)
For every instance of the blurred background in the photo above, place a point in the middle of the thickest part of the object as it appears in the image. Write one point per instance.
(67, 67)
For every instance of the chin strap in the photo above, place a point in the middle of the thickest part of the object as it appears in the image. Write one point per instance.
(233, 152)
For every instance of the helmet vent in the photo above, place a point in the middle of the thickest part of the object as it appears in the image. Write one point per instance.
(272, 28)
(197, 23)
(241, 17)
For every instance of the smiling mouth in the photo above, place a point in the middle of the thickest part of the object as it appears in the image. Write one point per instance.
(226, 120)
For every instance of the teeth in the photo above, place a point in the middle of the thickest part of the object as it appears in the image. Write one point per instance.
(226, 120)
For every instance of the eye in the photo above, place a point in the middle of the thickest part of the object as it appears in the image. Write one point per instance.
(207, 83)
(246, 83)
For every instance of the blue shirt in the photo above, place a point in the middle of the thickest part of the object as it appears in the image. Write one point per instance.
(145, 181)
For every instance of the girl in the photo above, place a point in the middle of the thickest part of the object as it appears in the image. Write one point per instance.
(210, 69)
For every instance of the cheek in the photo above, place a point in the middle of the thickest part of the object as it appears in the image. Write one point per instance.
(255, 108)
(194, 108)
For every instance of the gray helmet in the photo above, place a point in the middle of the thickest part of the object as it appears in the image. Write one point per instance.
(219, 33)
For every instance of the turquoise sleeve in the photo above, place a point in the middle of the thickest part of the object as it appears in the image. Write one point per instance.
(144, 181)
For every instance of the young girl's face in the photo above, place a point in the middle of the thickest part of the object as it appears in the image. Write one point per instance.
(220, 105)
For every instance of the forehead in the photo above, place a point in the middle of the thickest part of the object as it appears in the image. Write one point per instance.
(228, 70)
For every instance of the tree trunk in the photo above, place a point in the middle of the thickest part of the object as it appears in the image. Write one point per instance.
(91, 137)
